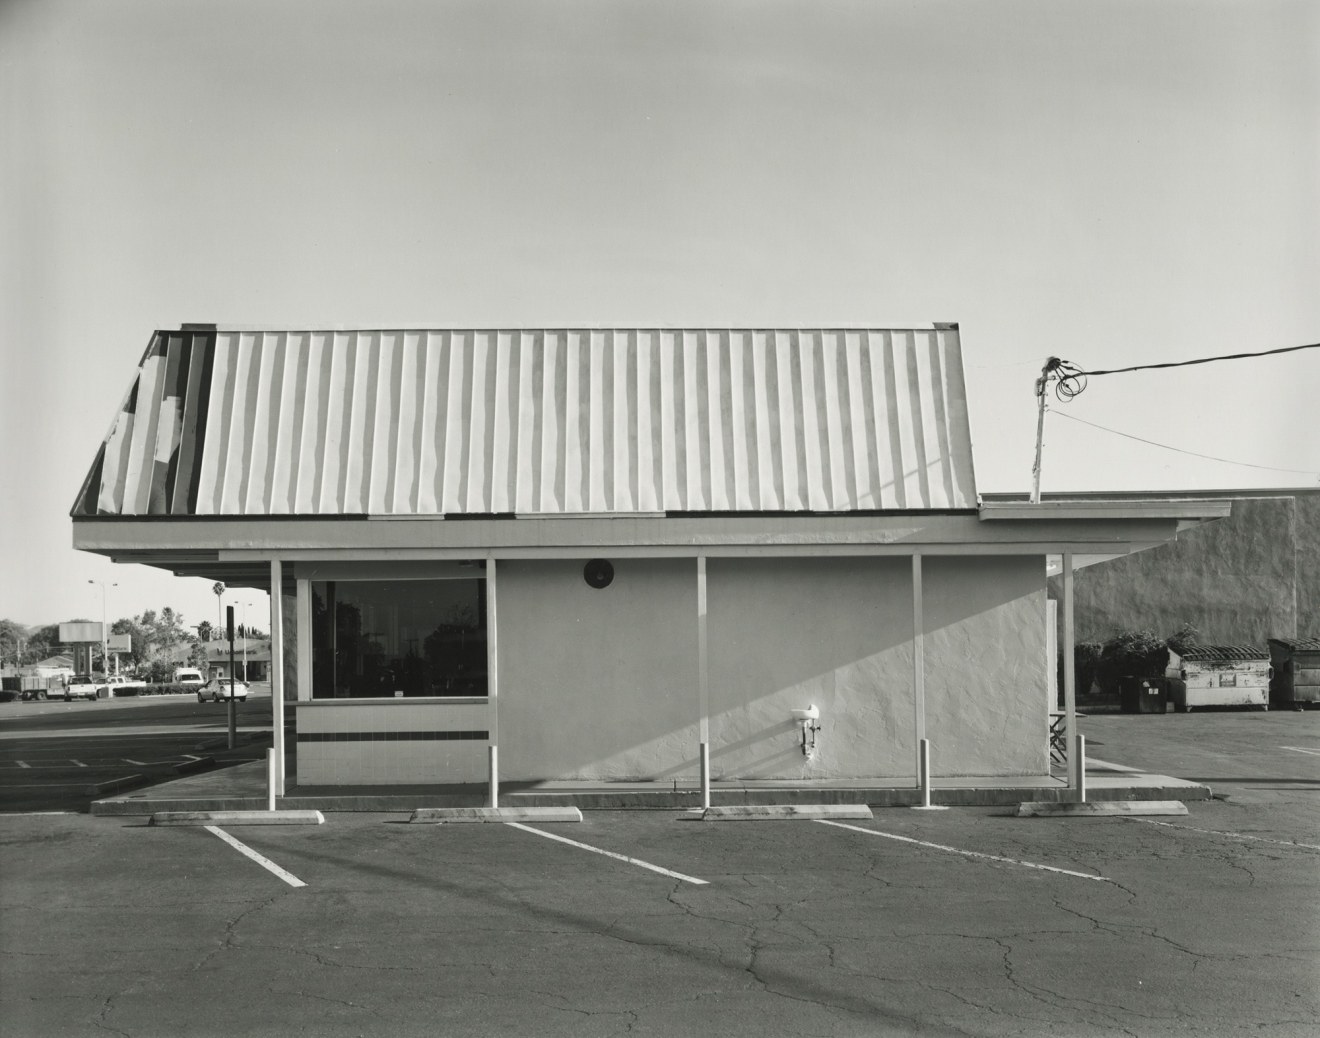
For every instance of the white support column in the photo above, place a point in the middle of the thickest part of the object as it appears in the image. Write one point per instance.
(703, 683)
(1079, 746)
(1075, 778)
(918, 662)
(493, 680)
(303, 628)
(277, 669)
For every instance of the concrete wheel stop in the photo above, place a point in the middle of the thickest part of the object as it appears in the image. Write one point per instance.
(1094, 808)
(776, 812)
(279, 817)
(435, 815)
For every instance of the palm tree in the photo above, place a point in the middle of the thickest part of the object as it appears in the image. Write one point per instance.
(219, 588)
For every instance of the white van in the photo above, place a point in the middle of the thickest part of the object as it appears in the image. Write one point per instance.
(188, 676)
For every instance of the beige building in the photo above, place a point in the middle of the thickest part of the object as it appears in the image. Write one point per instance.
(599, 550)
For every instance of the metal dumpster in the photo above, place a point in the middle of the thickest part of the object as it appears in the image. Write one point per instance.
(1296, 681)
(1143, 695)
(1223, 675)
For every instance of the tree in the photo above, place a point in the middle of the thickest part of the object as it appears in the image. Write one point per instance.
(204, 631)
(13, 639)
(219, 588)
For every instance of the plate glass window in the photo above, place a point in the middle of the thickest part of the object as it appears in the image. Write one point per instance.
(374, 639)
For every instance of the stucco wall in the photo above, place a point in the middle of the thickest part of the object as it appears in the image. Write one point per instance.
(597, 684)
(1240, 580)
(789, 633)
(987, 695)
(603, 684)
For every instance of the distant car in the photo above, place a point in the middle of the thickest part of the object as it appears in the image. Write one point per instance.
(117, 685)
(188, 676)
(217, 690)
(82, 686)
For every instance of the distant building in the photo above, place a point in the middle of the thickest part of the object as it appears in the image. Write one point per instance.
(1240, 581)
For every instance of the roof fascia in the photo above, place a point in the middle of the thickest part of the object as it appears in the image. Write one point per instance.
(1191, 511)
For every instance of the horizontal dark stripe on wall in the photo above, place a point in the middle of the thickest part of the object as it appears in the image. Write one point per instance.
(475, 736)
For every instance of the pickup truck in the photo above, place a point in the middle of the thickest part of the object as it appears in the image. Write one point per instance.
(81, 686)
(117, 682)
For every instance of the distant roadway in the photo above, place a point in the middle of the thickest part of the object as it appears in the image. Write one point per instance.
(57, 756)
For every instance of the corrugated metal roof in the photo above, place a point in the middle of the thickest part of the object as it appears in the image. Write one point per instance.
(1224, 653)
(552, 421)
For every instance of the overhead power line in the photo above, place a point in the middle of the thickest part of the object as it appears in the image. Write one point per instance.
(1072, 380)
(1180, 450)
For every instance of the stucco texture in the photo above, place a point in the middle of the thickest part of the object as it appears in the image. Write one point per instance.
(603, 684)
(987, 697)
(1239, 580)
(597, 684)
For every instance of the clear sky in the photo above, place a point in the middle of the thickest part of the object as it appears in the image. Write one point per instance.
(1111, 182)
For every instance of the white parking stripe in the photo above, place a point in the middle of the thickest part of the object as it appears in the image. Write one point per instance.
(958, 850)
(265, 863)
(1235, 836)
(1302, 749)
(608, 854)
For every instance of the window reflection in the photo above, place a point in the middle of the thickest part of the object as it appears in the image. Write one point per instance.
(382, 638)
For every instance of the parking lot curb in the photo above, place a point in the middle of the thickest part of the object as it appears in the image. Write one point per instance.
(117, 785)
(433, 815)
(782, 812)
(237, 818)
(1105, 807)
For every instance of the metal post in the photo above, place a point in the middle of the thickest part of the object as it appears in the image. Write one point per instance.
(270, 778)
(233, 707)
(925, 772)
(918, 661)
(493, 679)
(703, 683)
(705, 775)
(277, 668)
(1069, 672)
(923, 779)
(244, 628)
(1080, 745)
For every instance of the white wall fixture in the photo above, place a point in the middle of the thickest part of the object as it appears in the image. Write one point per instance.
(808, 718)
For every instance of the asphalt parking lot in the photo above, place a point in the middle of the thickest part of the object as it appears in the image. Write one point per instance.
(57, 756)
(965, 921)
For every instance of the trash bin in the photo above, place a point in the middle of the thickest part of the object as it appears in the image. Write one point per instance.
(1143, 695)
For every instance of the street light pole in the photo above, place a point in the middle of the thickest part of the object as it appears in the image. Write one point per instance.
(243, 607)
(105, 637)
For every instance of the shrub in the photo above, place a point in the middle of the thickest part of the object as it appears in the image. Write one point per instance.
(1085, 657)
(1138, 654)
(166, 688)
(1184, 638)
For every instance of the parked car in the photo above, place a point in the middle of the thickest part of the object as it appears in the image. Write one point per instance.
(82, 686)
(119, 685)
(188, 676)
(217, 690)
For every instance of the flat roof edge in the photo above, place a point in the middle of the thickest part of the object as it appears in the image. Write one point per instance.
(1115, 509)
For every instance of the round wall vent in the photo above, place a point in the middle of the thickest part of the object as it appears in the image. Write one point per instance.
(599, 573)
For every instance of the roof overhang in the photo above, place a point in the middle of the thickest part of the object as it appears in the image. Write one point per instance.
(239, 551)
(1180, 514)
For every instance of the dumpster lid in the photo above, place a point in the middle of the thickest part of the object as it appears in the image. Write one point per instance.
(1298, 644)
(1223, 653)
